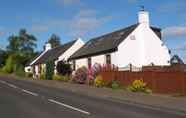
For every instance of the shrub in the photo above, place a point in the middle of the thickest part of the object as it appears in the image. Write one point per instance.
(42, 76)
(99, 82)
(49, 69)
(19, 70)
(8, 68)
(29, 74)
(63, 68)
(80, 75)
(115, 85)
(61, 78)
(139, 86)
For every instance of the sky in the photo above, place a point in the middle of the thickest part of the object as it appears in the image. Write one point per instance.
(87, 19)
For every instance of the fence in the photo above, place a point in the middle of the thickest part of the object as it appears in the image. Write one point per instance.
(169, 80)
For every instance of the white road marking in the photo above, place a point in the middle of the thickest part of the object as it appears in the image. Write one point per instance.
(68, 106)
(3, 82)
(11, 85)
(29, 92)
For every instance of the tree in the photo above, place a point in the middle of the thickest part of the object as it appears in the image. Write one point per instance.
(49, 69)
(54, 40)
(9, 66)
(3, 57)
(22, 47)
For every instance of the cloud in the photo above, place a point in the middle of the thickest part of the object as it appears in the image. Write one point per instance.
(85, 21)
(2, 31)
(39, 28)
(175, 31)
(177, 6)
(181, 47)
(82, 22)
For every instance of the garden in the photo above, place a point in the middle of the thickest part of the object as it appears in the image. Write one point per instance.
(90, 77)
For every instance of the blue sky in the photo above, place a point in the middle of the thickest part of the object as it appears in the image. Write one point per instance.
(90, 18)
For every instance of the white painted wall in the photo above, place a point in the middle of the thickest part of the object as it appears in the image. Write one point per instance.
(81, 62)
(77, 45)
(129, 51)
(146, 49)
(28, 69)
(100, 59)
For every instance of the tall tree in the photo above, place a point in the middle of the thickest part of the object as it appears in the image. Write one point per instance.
(54, 40)
(22, 46)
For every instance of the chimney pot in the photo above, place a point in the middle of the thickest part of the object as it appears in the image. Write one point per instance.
(47, 47)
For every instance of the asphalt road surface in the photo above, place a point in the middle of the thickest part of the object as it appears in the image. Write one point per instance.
(21, 99)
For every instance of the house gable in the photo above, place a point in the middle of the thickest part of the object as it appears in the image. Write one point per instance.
(53, 53)
(145, 47)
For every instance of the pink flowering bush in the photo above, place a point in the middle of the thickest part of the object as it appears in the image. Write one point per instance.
(80, 76)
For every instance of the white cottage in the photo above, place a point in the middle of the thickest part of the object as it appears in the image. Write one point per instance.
(139, 44)
(59, 53)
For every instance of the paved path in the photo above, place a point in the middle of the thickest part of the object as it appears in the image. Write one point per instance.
(22, 99)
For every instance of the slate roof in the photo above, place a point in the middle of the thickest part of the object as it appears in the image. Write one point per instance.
(54, 53)
(107, 43)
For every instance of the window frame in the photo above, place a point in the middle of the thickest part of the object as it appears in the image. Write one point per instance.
(108, 59)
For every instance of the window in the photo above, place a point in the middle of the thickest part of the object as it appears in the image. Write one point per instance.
(89, 62)
(108, 59)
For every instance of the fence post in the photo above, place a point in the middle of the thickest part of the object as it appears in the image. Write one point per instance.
(130, 67)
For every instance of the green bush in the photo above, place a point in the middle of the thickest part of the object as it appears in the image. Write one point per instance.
(42, 76)
(115, 85)
(49, 69)
(29, 74)
(19, 70)
(139, 86)
(9, 65)
(99, 82)
(61, 78)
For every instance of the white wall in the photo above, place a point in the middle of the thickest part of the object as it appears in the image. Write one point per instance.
(129, 51)
(144, 50)
(155, 50)
(81, 62)
(77, 45)
(100, 59)
(28, 69)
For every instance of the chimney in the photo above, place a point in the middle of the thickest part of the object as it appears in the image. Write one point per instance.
(47, 47)
(143, 17)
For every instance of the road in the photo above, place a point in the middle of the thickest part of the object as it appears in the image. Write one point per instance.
(21, 99)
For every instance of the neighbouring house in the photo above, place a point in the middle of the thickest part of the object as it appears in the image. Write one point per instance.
(139, 44)
(63, 52)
